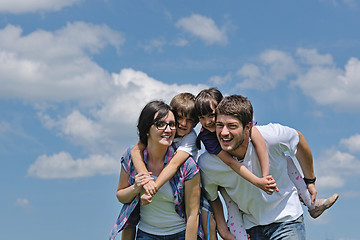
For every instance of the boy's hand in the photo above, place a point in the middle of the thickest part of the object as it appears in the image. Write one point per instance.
(145, 199)
(141, 179)
(268, 184)
(150, 188)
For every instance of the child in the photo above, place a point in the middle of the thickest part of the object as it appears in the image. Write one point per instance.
(183, 105)
(205, 104)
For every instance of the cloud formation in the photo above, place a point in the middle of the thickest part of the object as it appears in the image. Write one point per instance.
(62, 165)
(26, 6)
(55, 66)
(204, 28)
(315, 74)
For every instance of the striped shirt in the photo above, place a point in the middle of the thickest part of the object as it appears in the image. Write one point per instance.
(129, 214)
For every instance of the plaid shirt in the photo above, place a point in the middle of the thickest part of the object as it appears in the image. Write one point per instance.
(129, 214)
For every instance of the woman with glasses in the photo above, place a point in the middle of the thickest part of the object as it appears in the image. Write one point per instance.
(174, 209)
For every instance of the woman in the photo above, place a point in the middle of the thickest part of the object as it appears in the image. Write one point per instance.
(174, 210)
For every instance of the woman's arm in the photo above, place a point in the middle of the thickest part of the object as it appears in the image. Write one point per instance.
(125, 192)
(267, 183)
(192, 205)
(261, 150)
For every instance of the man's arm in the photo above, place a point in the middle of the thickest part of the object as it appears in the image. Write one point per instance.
(305, 158)
(221, 226)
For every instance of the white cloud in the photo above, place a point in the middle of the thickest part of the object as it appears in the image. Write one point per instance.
(334, 167)
(352, 143)
(154, 45)
(205, 28)
(55, 66)
(107, 126)
(22, 202)
(220, 80)
(62, 165)
(315, 74)
(25, 6)
(181, 42)
(274, 67)
(312, 57)
(333, 86)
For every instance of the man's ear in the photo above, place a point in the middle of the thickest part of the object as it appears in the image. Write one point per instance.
(248, 126)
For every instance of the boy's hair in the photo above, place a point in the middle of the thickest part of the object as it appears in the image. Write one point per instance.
(184, 103)
(237, 106)
(206, 99)
(147, 118)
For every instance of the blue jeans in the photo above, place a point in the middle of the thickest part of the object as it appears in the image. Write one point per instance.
(293, 230)
(147, 236)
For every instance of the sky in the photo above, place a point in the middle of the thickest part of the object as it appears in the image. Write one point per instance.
(74, 75)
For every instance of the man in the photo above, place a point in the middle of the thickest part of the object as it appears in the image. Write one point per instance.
(276, 216)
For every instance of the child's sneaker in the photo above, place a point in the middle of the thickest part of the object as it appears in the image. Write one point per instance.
(322, 204)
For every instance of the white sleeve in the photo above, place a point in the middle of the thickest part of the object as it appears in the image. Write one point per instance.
(280, 137)
(188, 144)
(210, 187)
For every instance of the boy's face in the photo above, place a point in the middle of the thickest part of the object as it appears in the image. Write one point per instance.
(185, 124)
(208, 120)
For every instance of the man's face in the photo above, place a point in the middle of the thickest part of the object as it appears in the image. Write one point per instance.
(230, 132)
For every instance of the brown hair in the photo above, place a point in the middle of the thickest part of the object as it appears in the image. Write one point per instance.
(184, 103)
(236, 106)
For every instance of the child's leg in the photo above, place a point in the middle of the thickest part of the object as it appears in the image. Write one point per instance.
(128, 233)
(320, 205)
(209, 225)
(235, 221)
(299, 183)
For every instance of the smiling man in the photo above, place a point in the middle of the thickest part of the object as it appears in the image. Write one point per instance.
(276, 216)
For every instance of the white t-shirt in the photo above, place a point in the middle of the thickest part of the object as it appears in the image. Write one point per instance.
(159, 217)
(258, 207)
(187, 144)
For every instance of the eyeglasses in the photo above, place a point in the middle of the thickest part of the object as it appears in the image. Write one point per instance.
(163, 125)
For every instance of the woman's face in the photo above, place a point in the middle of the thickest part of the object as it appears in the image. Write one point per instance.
(163, 131)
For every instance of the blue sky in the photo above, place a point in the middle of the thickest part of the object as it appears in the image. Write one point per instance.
(74, 75)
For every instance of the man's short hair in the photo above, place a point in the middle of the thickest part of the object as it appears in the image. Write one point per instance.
(237, 106)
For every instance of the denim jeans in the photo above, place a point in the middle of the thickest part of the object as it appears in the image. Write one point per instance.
(292, 230)
(147, 236)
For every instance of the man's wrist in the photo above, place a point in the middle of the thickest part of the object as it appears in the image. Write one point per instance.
(309, 180)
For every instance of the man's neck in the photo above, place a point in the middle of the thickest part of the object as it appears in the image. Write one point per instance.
(240, 152)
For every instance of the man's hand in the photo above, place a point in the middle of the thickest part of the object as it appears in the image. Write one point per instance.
(267, 184)
(313, 192)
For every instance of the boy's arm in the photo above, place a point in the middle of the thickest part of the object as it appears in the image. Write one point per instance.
(171, 167)
(267, 183)
(168, 172)
(261, 150)
(138, 161)
(137, 157)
